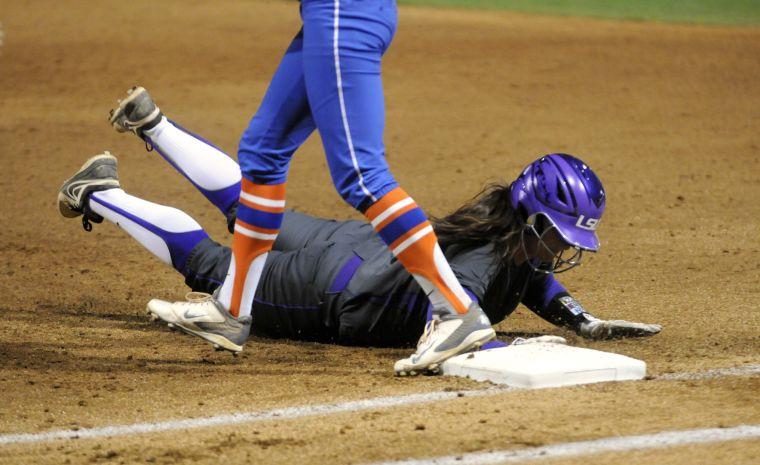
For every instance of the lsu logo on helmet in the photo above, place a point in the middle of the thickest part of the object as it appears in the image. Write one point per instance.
(589, 223)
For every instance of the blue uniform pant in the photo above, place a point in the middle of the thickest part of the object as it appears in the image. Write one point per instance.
(329, 79)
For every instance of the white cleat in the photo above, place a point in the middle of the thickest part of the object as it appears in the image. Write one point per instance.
(444, 338)
(203, 316)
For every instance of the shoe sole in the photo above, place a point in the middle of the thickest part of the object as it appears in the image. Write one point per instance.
(219, 342)
(119, 111)
(64, 203)
(480, 338)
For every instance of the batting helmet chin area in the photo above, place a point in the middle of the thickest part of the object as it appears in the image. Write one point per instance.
(567, 193)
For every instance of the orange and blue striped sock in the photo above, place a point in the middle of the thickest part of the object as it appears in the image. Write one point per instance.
(403, 225)
(259, 217)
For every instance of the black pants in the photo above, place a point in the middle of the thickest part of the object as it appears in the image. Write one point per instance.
(300, 294)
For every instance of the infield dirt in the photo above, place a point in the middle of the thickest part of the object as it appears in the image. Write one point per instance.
(667, 115)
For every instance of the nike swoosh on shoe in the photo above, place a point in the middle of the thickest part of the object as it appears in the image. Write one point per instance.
(417, 356)
(189, 315)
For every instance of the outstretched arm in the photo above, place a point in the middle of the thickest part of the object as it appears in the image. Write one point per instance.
(547, 298)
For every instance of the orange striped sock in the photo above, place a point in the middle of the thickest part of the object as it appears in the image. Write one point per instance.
(405, 228)
(259, 217)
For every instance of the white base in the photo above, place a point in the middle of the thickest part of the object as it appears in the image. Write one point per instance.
(543, 365)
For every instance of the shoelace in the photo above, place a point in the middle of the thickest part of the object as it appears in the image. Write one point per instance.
(429, 329)
(200, 297)
(197, 297)
(89, 217)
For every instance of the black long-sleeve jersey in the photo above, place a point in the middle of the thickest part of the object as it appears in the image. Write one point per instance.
(336, 281)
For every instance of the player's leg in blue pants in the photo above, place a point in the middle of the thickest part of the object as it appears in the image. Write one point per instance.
(342, 52)
(345, 90)
(336, 87)
(281, 124)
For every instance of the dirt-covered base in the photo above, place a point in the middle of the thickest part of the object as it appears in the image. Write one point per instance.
(666, 115)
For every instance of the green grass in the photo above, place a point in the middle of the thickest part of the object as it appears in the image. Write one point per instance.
(732, 12)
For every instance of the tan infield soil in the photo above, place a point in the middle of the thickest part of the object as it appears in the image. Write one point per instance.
(667, 115)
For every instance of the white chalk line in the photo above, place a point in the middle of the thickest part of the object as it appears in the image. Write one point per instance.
(573, 449)
(305, 411)
(249, 417)
(745, 370)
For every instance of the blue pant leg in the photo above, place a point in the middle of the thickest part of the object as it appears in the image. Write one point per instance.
(282, 123)
(345, 91)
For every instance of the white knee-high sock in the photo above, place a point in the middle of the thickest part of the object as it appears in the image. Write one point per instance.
(168, 233)
(216, 175)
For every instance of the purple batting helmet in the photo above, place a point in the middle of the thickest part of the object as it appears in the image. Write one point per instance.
(567, 193)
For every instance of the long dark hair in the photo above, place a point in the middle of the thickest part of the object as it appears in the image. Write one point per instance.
(488, 218)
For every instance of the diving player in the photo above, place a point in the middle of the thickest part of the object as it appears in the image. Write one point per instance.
(336, 281)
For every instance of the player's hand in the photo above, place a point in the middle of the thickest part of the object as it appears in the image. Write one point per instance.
(612, 329)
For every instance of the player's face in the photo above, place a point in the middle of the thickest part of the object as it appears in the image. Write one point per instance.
(553, 245)
(544, 247)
